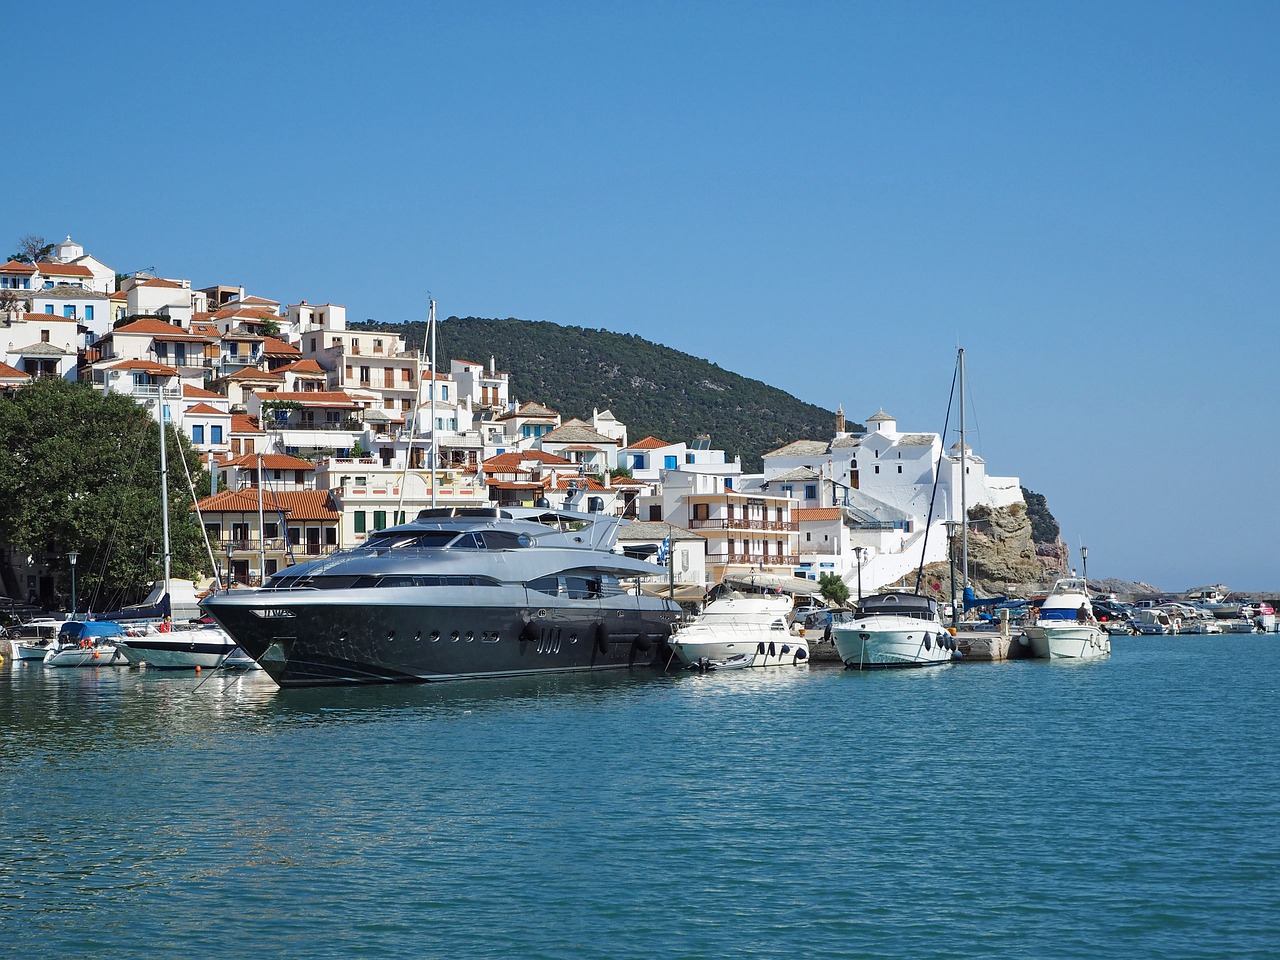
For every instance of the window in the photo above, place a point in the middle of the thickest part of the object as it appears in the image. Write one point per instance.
(88, 311)
(358, 520)
(811, 491)
(271, 530)
(637, 461)
(215, 433)
(69, 311)
(655, 512)
(197, 433)
(786, 490)
(444, 391)
(688, 458)
(669, 462)
(728, 483)
(877, 468)
(379, 519)
(48, 308)
(899, 468)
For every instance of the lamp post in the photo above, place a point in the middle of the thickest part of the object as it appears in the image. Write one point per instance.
(951, 526)
(73, 557)
(862, 553)
(1084, 565)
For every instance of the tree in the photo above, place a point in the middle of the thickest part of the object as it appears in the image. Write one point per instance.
(32, 249)
(78, 471)
(271, 328)
(1044, 528)
(833, 588)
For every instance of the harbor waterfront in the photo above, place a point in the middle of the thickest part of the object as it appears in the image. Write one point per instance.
(1119, 807)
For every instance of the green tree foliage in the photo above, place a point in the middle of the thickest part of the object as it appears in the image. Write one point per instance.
(653, 389)
(833, 588)
(79, 470)
(1044, 528)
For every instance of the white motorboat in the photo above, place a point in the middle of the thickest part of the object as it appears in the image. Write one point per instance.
(33, 639)
(163, 647)
(86, 644)
(733, 624)
(1065, 628)
(894, 630)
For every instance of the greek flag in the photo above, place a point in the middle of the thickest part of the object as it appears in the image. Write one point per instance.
(664, 548)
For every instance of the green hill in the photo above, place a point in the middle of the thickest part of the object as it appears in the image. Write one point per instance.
(651, 388)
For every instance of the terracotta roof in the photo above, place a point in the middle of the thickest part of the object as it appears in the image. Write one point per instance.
(276, 347)
(17, 266)
(40, 317)
(243, 423)
(649, 443)
(257, 300)
(12, 373)
(308, 366)
(515, 485)
(271, 461)
(312, 398)
(64, 270)
(157, 328)
(119, 295)
(144, 366)
(507, 462)
(209, 330)
(295, 504)
(800, 514)
(582, 483)
(205, 408)
(157, 282)
(253, 373)
(196, 393)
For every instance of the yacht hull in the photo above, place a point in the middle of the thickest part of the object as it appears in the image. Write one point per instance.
(1076, 642)
(301, 641)
(763, 648)
(880, 642)
(179, 650)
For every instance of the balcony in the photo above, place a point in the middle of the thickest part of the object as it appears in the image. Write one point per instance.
(742, 523)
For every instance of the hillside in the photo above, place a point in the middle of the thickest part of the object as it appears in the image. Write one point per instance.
(653, 389)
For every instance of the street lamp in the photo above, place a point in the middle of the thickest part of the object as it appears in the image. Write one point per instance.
(862, 553)
(73, 557)
(1084, 565)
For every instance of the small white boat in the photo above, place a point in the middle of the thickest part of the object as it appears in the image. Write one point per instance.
(89, 643)
(1065, 628)
(176, 648)
(736, 662)
(894, 630)
(733, 624)
(33, 639)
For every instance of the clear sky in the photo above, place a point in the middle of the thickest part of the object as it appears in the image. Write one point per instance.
(828, 197)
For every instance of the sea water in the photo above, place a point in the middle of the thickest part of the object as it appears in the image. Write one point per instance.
(1128, 807)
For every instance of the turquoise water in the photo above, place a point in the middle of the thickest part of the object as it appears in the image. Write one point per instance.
(1124, 808)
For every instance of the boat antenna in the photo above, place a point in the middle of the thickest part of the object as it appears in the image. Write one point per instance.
(964, 497)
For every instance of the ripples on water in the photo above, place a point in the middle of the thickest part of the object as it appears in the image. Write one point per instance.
(1123, 808)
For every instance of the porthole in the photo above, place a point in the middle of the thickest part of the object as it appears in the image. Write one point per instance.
(453, 637)
(435, 635)
(470, 636)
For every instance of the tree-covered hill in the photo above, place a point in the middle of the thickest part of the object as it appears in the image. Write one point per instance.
(651, 388)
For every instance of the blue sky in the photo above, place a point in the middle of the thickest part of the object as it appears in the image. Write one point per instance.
(828, 197)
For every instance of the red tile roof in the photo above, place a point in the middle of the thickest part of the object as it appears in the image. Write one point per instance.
(243, 423)
(145, 366)
(295, 504)
(157, 282)
(509, 462)
(312, 398)
(205, 408)
(64, 270)
(17, 266)
(253, 373)
(153, 327)
(196, 393)
(307, 366)
(801, 514)
(271, 461)
(12, 373)
(649, 443)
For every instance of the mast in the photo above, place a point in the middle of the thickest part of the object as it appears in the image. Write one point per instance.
(262, 540)
(431, 328)
(964, 499)
(164, 495)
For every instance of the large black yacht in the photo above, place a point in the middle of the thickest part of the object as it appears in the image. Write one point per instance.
(458, 592)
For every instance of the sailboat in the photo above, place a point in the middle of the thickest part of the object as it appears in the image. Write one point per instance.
(897, 628)
(154, 637)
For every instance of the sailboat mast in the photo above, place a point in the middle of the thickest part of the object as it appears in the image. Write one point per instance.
(262, 540)
(964, 497)
(431, 327)
(164, 493)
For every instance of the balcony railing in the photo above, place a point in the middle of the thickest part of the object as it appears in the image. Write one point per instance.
(753, 559)
(742, 523)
